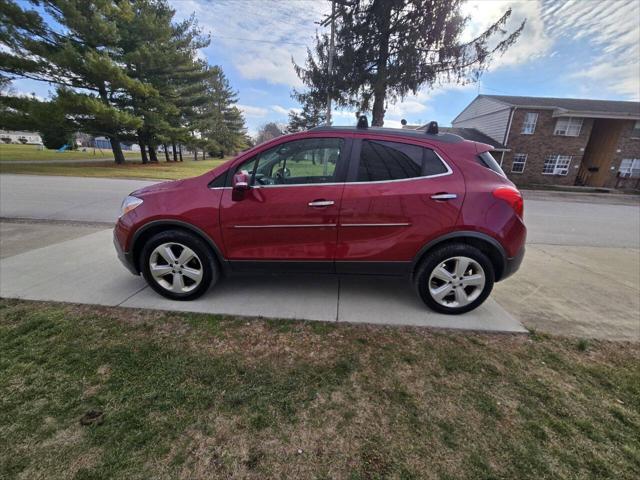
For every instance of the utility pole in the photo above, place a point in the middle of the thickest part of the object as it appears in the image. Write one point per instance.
(332, 48)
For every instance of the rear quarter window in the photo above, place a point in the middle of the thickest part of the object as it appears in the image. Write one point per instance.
(486, 160)
(383, 161)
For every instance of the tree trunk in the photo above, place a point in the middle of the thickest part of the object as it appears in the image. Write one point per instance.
(379, 94)
(116, 148)
(143, 151)
(166, 152)
(195, 154)
(380, 84)
(152, 153)
(175, 154)
(180, 151)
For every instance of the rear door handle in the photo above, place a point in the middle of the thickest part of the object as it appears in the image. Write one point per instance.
(444, 196)
(321, 203)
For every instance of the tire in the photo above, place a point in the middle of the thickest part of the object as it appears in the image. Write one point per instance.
(438, 284)
(178, 265)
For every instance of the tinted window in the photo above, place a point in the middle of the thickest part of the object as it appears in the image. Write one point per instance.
(299, 162)
(381, 161)
(487, 160)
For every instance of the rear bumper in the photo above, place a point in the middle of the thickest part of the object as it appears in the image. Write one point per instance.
(513, 264)
(125, 257)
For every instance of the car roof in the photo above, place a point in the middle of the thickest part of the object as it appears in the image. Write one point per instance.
(399, 132)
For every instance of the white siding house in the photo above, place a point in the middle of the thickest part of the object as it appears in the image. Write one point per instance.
(489, 116)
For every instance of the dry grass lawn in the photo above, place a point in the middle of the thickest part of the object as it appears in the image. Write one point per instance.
(200, 396)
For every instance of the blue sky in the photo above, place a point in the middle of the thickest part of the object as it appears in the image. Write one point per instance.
(582, 48)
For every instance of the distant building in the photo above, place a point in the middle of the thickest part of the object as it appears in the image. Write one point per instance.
(27, 138)
(561, 141)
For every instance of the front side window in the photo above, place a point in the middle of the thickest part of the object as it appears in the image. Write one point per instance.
(556, 165)
(568, 126)
(630, 167)
(518, 163)
(299, 162)
(529, 124)
(382, 161)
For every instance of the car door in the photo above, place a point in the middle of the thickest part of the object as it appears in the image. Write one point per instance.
(290, 213)
(398, 196)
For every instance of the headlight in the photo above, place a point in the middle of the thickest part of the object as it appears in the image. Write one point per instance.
(129, 204)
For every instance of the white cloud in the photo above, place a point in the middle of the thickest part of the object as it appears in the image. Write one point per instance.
(253, 112)
(260, 38)
(611, 32)
(533, 41)
(284, 111)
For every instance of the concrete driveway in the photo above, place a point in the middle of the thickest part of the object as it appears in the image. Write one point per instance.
(86, 270)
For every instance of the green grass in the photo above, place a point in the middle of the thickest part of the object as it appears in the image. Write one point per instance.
(108, 169)
(11, 152)
(205, 396)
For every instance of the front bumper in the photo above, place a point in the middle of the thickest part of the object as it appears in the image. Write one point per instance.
(125, 257)
(513, 264)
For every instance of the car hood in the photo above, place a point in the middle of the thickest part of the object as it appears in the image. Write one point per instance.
(158, 187)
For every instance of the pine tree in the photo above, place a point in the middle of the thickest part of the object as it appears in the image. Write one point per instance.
(81, 55)
(162, 54)
(311, 115)
(386, 49)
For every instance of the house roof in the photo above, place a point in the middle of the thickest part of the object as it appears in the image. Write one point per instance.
(467, 133)
(579, 106)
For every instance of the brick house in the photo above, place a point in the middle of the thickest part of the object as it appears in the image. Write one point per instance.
(560, 141)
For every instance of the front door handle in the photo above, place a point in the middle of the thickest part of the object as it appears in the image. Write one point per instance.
(321, 203)
(444, 196)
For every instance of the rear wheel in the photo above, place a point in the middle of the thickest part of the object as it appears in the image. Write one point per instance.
(178, 265)
(454, 279)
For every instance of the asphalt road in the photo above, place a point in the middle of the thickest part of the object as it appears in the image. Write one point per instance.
(552, 218)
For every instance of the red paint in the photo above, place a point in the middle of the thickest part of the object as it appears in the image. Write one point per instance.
(275, 222)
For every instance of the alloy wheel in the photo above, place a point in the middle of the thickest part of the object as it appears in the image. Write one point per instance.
(175, 267)
(456, 282)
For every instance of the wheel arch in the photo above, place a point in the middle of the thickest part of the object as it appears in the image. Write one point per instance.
(148, 230)
(483, 242)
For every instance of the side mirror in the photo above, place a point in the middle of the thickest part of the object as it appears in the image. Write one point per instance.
(240, 181)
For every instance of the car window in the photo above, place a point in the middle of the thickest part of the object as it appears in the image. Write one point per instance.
(487, 160)
(380, 161)
(298, 162)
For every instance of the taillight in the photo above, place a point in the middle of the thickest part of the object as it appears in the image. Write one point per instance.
(513, 197)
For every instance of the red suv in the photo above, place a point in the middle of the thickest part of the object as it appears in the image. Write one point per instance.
(432, 207)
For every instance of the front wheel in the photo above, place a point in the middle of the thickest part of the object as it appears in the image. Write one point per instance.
(178, 265)
(454, 279)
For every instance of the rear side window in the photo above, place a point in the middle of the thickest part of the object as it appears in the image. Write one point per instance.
(487, 160)
(380, 161)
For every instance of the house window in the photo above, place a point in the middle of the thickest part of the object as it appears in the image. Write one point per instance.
(630, 167)
(519, 160)
(636, 128)
(568, 126)
(529, 125)
(556, 165)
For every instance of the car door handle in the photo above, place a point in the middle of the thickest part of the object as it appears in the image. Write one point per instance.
(444, 196)
(321, 203)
